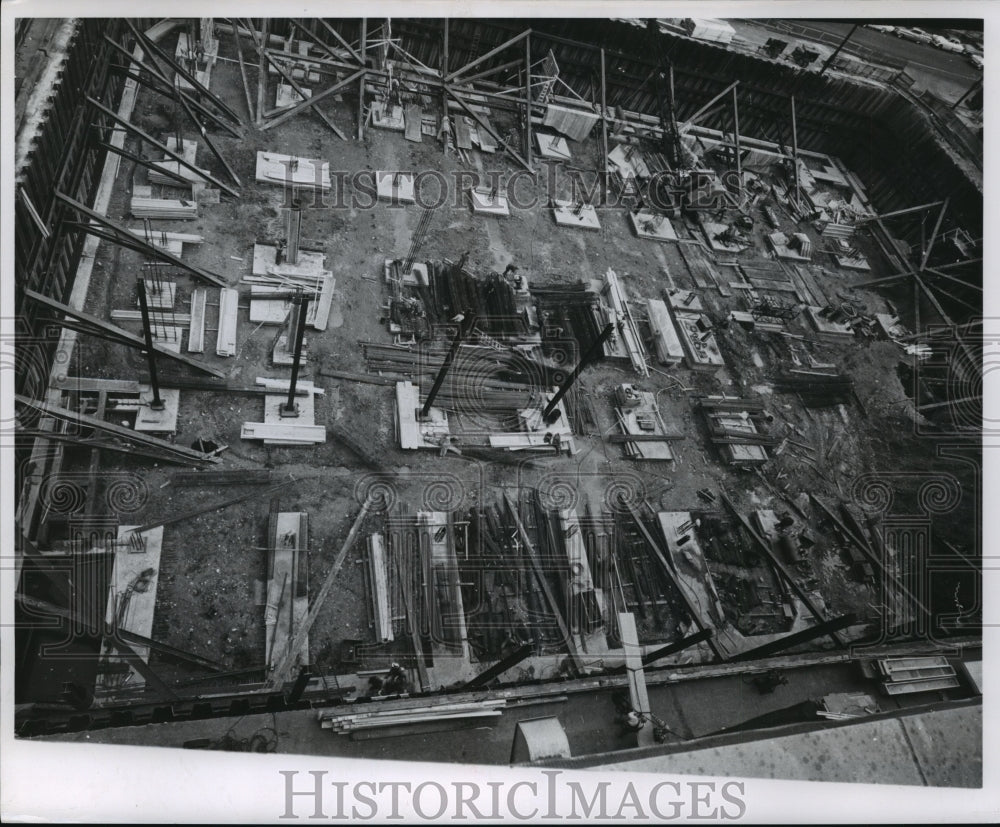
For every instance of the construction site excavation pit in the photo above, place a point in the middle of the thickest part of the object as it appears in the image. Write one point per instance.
(407, 382)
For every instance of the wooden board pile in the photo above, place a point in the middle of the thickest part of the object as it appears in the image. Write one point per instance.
(318, 287)
(643, 432)
(626, 340)
(739, 428)
(421, 712)
(165, 208)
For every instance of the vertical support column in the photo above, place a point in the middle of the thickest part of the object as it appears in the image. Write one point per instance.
(591, 355)
(604, 128)
(527, 98)
(736, 137)
(795, 153)
(262, 72)
(301, 302)
(464, 326)
(293, 231)
(836, 51)
(363, 51)
(156, 404)
(445, 59)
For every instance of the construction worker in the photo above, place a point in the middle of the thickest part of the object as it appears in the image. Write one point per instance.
(448, 445)
(395, 682)
(633, 721)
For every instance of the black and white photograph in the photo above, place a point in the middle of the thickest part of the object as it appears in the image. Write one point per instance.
(569, 414)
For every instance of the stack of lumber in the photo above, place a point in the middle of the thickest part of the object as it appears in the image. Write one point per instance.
(627, 339)
(265, 309)
(420, 712)
(166, 208)
(172, 242)
(284, 434)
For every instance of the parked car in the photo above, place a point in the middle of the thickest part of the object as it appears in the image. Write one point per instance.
(976, 60)
(972, 49)
(883, 29)
(914, 34)
(947, 44)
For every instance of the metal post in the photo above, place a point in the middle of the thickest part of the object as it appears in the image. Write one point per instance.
(301, 682)
(736, 137)
(290, 408)
(836, 51)
(527, 98)
(262, 70)
(977, 85)
(590, 356)
(795, 153)
(363, 48)
(604, 128)
(293, 227)
(444, 92)
(157, 403)
(464, 326)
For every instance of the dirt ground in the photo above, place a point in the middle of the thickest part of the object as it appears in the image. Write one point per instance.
(206, 599)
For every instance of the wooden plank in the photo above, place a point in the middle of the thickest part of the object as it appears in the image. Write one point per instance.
(303, 385)
(378, 585)
(228, 309)
(804, 294)
(486, 142)
(301, 433)
(184, 238)
(88, 384)
(286, 602)
(281, 672)
(463, 134)
(155, 316)
(669, 350)
(695, 266)
(319, 308)
(414, 118)
(196, 335)
(635, 672)
(130, 606)
(166, 208)
(813, 285)
(359, 377)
